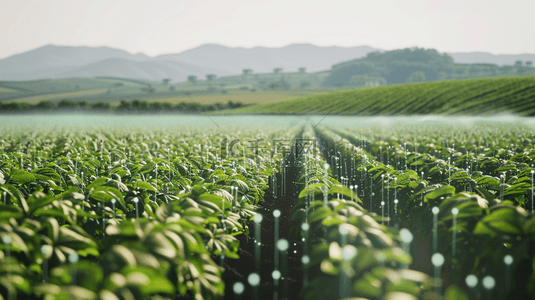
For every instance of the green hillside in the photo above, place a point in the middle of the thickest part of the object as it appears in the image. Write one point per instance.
(456, 97)
(415, 65)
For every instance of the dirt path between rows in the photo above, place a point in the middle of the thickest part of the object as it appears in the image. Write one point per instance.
(239, 269)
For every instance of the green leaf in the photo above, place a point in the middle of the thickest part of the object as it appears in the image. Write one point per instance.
(75, 240)
(76, 292)
(443, 191)
(453, 292)
(502, 220)
(489, 181)
(22, 177)
(148, 167)
(106, 193)
(327, 267)
(319, 214)
(46, 174)
(340, 189)
(312, 189)
(142, 185)
(217, 200)
(97, 182)
(14, 195)
(330, 221)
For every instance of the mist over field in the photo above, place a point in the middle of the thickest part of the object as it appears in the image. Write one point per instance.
(81, 121)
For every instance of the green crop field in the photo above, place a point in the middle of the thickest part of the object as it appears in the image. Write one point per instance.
(245, 97)
(114, 90)
(264, 207)
(509, 95)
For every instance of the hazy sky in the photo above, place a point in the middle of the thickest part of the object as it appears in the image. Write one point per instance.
(167, 26)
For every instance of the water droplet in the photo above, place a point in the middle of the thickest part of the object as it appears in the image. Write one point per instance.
(253, 279)
(437, 260)
(489, 282)
(349, 252)
(508, 259)
(238, 288)
(73, 258)
(435, 210)
(471, 280)
(282, 245)
(406, 235)
(7, 239)
(258, 218)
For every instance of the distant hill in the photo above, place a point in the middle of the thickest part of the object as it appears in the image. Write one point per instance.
(264, 60)
(488, 58)
(413, 65)
(65, 61)
(487, 96)
(149, 70)
(52, 61)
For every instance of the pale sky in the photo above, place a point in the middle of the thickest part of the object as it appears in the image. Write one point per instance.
(171, 26)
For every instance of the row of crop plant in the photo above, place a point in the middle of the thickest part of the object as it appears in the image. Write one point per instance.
(348, 253)
(468, 204)
(126, 214)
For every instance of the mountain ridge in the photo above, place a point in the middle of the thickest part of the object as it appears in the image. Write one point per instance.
(56, 61)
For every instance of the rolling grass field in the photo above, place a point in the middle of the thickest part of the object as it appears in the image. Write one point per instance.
(514, 95)
(39, 98)
(245, 97)
(114, 90)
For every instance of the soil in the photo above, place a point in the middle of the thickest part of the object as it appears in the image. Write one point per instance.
(237, 270)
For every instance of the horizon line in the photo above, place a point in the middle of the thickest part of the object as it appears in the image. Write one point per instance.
(254, 47)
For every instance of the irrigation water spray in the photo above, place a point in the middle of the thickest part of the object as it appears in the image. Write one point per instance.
(113, 206)
(508, 261)
(396, 219)
(406, 238)
(305, 259)
(454, 212)
(348, 253)
(502, 186)
(435, 211)
(276, 275)
(371, 192)
(282, 245)
(45, 251)
(383, 192)
(136, 200)
(488, 283)
(276, 214)
(73, 259)
(532, 171)
(7, 241)
(257, 242)
(437, 260)
(388, 201)
(254, 281)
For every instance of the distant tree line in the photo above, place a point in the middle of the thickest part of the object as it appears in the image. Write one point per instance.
(414, 65)
(125, 107)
